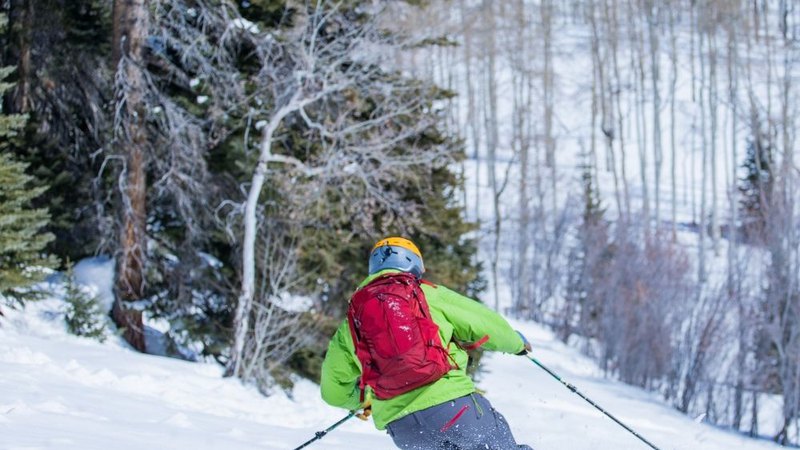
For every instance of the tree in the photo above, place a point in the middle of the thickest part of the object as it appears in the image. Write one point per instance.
(329, 78)
(131, 18)
(66, 104)
(756, 187)
(22, 241)
(84, 315)
(588, 259)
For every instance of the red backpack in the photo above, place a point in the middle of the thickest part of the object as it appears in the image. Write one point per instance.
(396, 340)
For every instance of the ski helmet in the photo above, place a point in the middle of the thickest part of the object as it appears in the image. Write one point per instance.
(396, 253)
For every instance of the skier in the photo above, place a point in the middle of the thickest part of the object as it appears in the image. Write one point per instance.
(411, 337)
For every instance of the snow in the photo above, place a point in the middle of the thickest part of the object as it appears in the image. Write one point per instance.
(97, 274)
(61, 391)
(292, 302)
(210, 260)
(246, 25)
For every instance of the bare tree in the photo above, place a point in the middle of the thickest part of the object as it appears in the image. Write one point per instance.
(546, 11)
(783, 239)
(700, 343)
(473, 119)
(637, 67)
(609, 90)
(672, 123)
(319, 80)
(521, 55)
(279, 326)
(612, 16)
(713, 107)
(492, 134)
(701, 247)
(654, 15)
(629, 88)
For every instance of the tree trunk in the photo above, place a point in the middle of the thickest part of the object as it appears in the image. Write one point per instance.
(712, 110)
(548, 80)
(606, 102)
(492, 136)
(241, 324)
(21, 16)
(701, 264)
(522, 125)
(640, 93)
(673, 146)
(548, 87)
(472, 109)
(130, 32)
(620, 117)
(734, 274)
(754, 415)
(653, 19)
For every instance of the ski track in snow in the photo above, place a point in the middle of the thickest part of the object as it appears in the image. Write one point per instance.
(62, 392)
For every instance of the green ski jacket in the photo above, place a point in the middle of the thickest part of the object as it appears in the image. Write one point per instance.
(458, 317)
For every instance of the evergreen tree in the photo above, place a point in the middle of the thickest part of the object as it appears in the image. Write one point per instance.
(21, 240)
(593, 210)
(67, 105)
(756, 187)
(587, 261)
(84, 315)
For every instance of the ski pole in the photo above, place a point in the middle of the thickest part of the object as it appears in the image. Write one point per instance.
(320, 434)
(572, 388)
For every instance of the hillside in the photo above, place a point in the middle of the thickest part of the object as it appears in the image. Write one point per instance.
(60, 391)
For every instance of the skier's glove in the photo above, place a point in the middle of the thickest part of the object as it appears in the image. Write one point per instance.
(527, 348)
(366, 410)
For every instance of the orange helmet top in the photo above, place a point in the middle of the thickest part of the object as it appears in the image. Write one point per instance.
(398, 242)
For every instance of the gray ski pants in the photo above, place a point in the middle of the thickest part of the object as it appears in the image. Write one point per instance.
(466, 423)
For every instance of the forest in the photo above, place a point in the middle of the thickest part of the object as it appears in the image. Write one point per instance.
(622, 171)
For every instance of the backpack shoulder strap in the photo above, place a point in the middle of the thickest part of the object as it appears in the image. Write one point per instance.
(428, 283)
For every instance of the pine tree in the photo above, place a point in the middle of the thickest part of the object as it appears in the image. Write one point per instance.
(21, 239)
(593, 210)
(10, 124)
(587, 259)
(68, 121)
(756, 187)
(84, 315)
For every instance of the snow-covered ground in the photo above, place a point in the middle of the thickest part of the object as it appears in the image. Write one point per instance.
(64, 392)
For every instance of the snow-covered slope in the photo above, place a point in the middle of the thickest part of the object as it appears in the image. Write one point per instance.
(64, 392)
